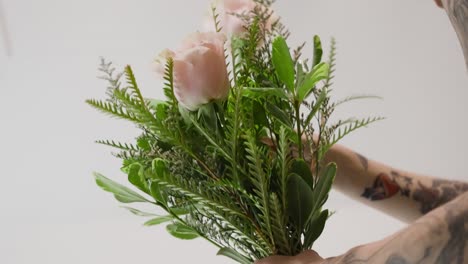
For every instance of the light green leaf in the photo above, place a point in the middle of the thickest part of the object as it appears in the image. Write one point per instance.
(283, 62)
(181, 231)
(138, 212)
(233, 254)
(121, 193)
(300, 200)
(158, 220)
(159, 168)
(318, 73)
(154, 103)
(155, 190)
(179, 210)
(136, 177)
(318, 51)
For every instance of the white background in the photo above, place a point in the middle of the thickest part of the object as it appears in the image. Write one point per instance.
(52, 212)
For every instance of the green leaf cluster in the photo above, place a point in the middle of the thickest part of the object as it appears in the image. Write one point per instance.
(237, 173)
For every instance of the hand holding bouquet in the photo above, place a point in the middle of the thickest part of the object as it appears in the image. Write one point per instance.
(234, 154)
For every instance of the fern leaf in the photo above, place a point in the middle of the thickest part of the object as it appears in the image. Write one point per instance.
(118, 145)
(354, 97)
(260, 181)
(279, 228)
(113, 110)
(331, 64)
(350, 127)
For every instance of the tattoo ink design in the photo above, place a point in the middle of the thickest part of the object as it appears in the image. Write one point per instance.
(384, 187)
(454, 249)
(396, 259)
(429, 198)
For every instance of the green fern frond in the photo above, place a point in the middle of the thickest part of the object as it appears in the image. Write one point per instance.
(169, 82)
(278, 223)
(209, 200)
(135, 106)
(113, 110)
(331, 64)
(260, 180)
(232, 128)
(215, 15)
(118, 145)
(284, 159)
(350, 127)
(354, 97)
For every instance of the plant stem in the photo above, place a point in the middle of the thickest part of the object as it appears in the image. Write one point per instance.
(298, 128)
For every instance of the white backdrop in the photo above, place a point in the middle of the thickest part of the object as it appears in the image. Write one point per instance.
(52, 212)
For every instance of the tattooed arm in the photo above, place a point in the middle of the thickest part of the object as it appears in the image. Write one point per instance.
(457, 10)
(440, 237)
(401, 194)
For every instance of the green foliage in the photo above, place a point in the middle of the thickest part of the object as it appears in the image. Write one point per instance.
(159, 220)
(121, 193)
(283, 62)
(181, 231)
(300, 200)
(233, 254)
(236, 173)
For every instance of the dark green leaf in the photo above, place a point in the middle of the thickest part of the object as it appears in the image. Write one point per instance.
(301, 168)
(317, 51)
(259, 114)
(318, 73)
(181, 231)
(316, 228)
(158, 220)
(233, 254)
(279, 114)
(121, 193)
(283, 62)
(300, 200)
(324, 184)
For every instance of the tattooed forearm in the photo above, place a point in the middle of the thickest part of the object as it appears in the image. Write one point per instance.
(440, 237)
(457, 11)
(429, 197)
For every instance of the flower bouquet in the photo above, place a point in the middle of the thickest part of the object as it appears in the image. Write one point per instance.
(235, 152)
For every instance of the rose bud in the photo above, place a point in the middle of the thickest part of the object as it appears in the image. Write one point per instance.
(200, 72)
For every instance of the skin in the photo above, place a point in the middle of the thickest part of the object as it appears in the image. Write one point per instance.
(436, 209)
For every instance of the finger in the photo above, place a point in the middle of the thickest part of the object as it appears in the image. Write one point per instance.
(439, 3)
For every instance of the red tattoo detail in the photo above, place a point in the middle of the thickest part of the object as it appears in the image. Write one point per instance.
(384, 187)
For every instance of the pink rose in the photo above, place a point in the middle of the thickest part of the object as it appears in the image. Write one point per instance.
(233, 25)
(200, 73)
